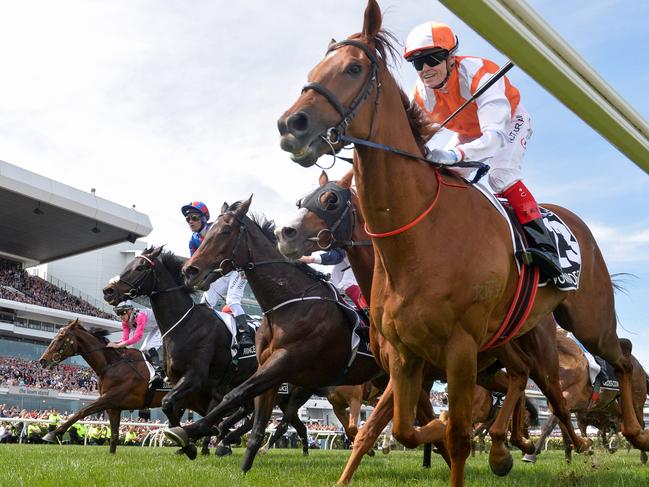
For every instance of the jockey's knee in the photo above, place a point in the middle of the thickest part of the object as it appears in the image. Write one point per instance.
(501, 178)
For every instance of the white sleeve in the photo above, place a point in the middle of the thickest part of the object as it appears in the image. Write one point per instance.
(218, 289)
(494, 115)
(236, 285)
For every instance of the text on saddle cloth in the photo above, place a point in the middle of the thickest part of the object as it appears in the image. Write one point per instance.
(566, 242)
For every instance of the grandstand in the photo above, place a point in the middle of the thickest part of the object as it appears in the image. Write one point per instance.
(42, 220)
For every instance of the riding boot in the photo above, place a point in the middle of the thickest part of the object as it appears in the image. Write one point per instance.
(244, 337)
(152, 355)
(541, 249)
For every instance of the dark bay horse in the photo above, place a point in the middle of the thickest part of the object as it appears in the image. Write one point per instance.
(305, 336)
(197, 343)
(123, 377)
(329, 217)
(439, 292)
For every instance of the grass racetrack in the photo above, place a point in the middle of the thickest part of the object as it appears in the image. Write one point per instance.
(47, 465)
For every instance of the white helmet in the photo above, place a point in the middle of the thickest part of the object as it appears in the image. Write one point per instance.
(430, 36)
(123, 306)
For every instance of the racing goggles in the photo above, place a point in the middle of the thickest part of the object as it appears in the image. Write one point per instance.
(193, 217)
(431, 60)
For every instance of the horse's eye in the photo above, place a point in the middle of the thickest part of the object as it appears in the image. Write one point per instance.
(354, 69)
(140, 268)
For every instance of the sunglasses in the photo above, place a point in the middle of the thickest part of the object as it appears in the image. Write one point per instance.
(431, 60)
(193, 217)
(122, 313)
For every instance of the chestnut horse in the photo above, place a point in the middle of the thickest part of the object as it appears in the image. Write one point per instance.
(305, 336)
(603, 413)
(439, 292)
(123, 377)
(329, 217)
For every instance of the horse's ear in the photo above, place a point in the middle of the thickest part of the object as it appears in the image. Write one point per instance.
(155, 253)
(225, 207)
(346, 180)
(324, 179)
(244, 207)
(75, 322)
(331, 43)
(372, 21)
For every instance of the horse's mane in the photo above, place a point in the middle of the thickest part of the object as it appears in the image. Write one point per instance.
(421, 128)
(267, 228)
(99, 333)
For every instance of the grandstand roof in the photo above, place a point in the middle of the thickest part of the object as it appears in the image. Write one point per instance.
(43, 220)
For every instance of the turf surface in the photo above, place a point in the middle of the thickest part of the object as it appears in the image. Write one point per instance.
(47, 465)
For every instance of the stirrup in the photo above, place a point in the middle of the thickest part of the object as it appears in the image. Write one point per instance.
(525, 257)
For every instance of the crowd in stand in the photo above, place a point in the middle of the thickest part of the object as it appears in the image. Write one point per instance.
(17, 285)
(66, 378)
(438, 398)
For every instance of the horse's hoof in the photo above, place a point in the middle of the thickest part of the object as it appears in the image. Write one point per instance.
(305, 452)
(643, 457)
(205, 453)
(50, 437)
(385, 450)
(262, 451)
(527, 447)
(502, 468)
(527, 458)
(178, 436)
(222, 451)
(191, 451)
(179, 451)
(370, 453)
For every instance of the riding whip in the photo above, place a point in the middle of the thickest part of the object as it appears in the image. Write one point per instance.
(496, 76)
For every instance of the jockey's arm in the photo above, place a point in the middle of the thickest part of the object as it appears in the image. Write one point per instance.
(139, 330)
(331, 257)
(494, 115)
(236, 286)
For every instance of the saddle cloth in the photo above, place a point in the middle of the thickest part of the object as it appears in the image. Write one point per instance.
(566, 242)
(231, 325)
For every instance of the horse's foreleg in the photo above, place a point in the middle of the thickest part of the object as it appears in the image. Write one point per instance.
(223, 448)
(101, 404)
(425, 414)
(354, 416)
(114, 418)
(268, 376)
(171, 402)
(461, 372)
(519, 436)
(302, 432)
(367, 435)
(263, 410)
(277, 434)
(546, 429)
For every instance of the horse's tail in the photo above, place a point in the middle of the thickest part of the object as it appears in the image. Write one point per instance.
(618, 278)
(533, 412)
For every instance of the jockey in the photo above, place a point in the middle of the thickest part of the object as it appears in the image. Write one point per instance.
(494, 128)
(342, 275)
(142, 322)
(229, 287)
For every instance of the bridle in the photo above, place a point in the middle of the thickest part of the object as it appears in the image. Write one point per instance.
(341, 220)
(334, 134)
(136, 287)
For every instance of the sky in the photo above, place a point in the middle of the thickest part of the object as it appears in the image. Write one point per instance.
(158, 103)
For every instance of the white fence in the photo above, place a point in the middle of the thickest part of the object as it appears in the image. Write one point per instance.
(156, 438)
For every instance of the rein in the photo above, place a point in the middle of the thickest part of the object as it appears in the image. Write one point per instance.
(179, 321)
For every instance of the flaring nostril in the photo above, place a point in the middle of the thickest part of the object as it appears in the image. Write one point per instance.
(289, 233)
(281, 126)
(298, 123)
(191, 271)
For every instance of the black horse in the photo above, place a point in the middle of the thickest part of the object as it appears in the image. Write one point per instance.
(305, 336)
(197, 344)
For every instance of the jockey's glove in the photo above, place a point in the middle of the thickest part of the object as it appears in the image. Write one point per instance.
(445, 157)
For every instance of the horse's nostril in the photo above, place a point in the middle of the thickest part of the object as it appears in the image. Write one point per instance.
(298, 123)
(191, 271)
(289, 233)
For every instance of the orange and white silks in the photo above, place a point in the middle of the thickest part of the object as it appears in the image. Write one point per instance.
(483, 128)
